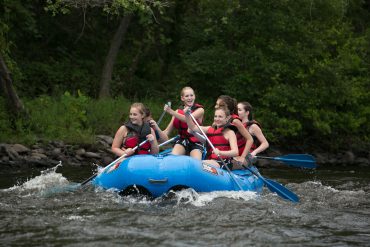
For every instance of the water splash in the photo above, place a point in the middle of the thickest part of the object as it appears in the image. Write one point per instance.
(320, 195)
(190, 196)
(47, 180)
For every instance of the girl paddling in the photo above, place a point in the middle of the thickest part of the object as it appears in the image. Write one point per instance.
(244, 138)
(187, 144)
(220, 135)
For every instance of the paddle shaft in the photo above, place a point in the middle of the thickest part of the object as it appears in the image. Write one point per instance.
(113, 162)
(305, 161)
(163, 113)
(124, 155)
(272, 185)
(213, 148)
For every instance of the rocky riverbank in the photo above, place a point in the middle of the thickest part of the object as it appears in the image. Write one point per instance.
(50, 154)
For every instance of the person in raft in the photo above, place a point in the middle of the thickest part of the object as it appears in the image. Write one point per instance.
(133, 132)
(187, 143)
(260, 142)
(220, 135)
(244, 138)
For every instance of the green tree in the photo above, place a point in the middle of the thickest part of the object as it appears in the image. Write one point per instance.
(299, 62)
(124, 10)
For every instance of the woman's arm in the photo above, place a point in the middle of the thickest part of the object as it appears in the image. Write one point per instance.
(257, 132)
(244, 132)
(154, 148)
(169, 128)
(192, 126)
(231, 137)
(162, 137)
(197, 114)
(118, 140)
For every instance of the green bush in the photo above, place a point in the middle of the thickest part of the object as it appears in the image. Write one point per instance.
(62, 118)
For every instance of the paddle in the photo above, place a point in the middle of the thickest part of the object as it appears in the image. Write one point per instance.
(163, 113)
(124, 155)
(297, 160)
(112, 163)
(121, 157)
(276, 187)
(272, 185)
(213, 148)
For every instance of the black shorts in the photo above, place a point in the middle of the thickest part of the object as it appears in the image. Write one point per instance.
(227, 162)
(190, 146)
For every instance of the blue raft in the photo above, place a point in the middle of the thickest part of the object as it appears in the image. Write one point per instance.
(155, 175)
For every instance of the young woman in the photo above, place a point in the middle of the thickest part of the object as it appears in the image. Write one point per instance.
(219, 134)
(188, 143)
(260, 142)
(133, 132)
(244, 138)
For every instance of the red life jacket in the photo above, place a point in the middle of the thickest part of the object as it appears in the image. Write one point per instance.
(183, 127)
(137, 134)
(239, 138)
(216, 137)
(256, 142)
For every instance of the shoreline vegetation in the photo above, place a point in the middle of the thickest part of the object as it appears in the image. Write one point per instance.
(78, 131)
(303, 65)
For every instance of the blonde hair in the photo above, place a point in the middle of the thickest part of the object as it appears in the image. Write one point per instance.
(186, 88)
(141, 107)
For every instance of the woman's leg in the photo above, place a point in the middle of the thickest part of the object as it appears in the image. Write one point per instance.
(196, 154)
(178, 149)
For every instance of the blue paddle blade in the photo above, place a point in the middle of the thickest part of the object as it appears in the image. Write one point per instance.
(299, 157)
(280, 190)
(299, 160)
(276, 187)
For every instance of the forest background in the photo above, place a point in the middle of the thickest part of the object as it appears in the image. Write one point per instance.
(69, 69)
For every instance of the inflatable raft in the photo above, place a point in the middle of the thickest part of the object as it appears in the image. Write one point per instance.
(156, 175)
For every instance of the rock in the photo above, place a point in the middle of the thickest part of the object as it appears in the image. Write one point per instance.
(79, 157)
(38, 156)
(80, 151)
(39, 150)
(5, 158)
(56, 152)
(92, 155)
(38, 162)
(59, 144)
(348, 157)
(20, 149)
(107, 139)
(13, 155)
(362, 161)
(321, 158)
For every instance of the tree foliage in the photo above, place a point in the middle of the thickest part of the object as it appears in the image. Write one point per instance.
(304, 65)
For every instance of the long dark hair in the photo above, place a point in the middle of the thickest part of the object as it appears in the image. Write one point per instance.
(248, 107)
(231, 103)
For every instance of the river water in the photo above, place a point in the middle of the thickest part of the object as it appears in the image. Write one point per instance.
(48, 208)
